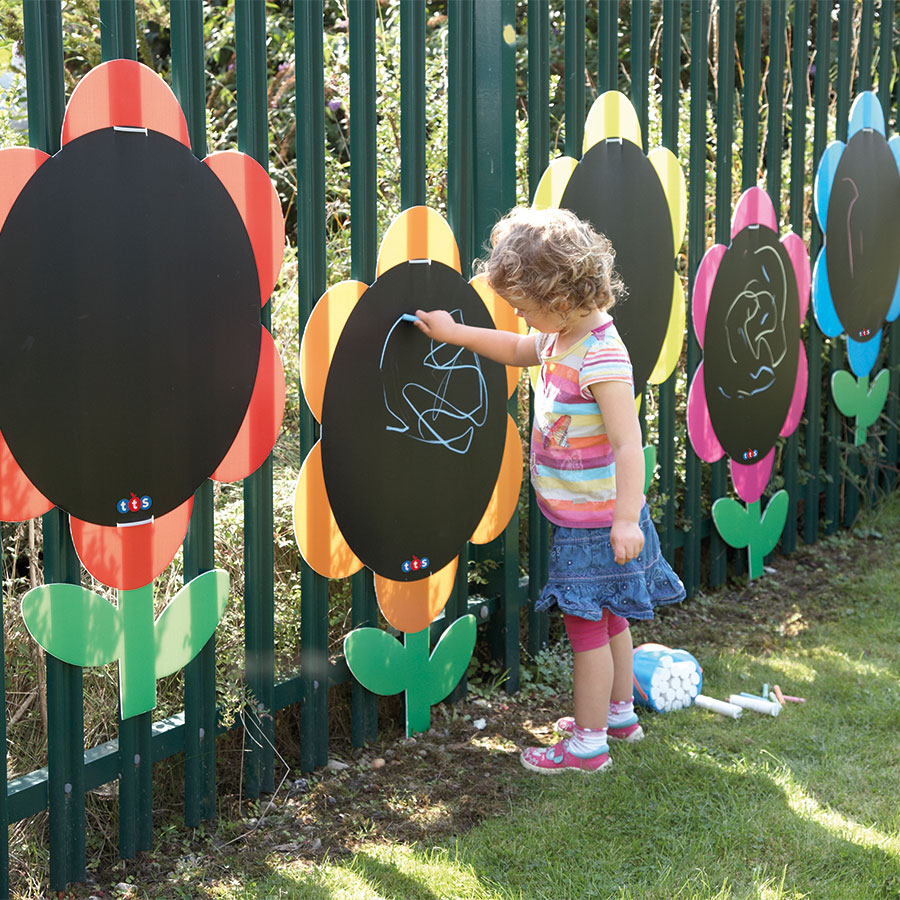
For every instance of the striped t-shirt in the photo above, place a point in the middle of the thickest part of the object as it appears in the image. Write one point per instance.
(572, 465)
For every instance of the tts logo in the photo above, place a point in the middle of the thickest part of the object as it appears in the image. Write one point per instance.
(415, 564)
(133, 504)
(750, 454)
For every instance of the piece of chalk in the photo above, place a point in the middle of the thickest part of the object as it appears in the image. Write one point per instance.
(778, 695)
(794, 699)
(718, 706)
(409, 317)
(765, 690)
(757, 704)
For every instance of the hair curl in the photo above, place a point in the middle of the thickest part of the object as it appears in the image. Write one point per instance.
(555, 259)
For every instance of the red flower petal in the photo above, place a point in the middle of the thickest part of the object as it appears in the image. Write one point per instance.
(262, 422)
(257, 202)
(17, 165)
(129, 557)
(19, 498)
(700, 427)
(125, 93)
(750, 481)
(799, 255)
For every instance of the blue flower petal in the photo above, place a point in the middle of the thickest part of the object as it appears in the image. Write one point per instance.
(823, 303)
(894, 144)
(825, 178)
(866, 112)
(894, 311)
(862, 354)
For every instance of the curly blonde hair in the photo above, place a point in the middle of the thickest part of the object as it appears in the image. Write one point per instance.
(553, 258)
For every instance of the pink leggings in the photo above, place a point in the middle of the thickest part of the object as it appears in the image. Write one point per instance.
(589, 635)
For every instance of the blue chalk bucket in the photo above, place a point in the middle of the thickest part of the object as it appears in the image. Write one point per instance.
(665, 679)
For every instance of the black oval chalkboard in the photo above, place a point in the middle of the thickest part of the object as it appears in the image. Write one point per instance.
(130, 331)
(617, 190)
(751, 344)
(412, 431)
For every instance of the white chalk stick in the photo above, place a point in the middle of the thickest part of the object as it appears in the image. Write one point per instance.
(718, 706)
(757, 704)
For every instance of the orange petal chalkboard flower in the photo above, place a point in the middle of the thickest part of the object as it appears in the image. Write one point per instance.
(418, 453)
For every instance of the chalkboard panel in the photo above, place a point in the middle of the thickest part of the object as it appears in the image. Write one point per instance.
(862, 236)
(131, 332)
(412, 431)
(751, 344)
(617, 190)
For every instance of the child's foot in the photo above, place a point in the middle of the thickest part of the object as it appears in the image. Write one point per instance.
(550, 760)
(630, 733)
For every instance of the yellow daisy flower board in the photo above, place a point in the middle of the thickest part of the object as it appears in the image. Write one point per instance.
(417, 453)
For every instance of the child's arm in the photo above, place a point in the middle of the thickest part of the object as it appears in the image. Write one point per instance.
(500, 346)
(616, 402)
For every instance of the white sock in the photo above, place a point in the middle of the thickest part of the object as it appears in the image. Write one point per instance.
(621, 714)
(587, 742)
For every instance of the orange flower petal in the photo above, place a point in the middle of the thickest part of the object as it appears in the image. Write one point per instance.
(257, 201)
(19, 498)
(125, 93)
(418, 233)
(17, 165)
(130, 557)
(323, 328)
(318, 536)
(505, 497)
(262, 422)
(411, 606)
(505, 319)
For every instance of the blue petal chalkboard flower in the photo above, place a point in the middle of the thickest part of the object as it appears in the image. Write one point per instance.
(133, 325)
(750, 389)
(856, 280)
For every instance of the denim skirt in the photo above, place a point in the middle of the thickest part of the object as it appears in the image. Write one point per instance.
(585, 579)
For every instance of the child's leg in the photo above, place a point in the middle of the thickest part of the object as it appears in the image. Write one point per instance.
(593, 681)
(621, 649)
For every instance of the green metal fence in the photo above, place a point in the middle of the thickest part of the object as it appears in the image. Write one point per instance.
(698, 73)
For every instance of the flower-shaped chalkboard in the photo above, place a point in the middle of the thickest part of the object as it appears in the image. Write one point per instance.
(136, 362)
(417, 454)
(640, 203)
(856, 281)
(750, 389)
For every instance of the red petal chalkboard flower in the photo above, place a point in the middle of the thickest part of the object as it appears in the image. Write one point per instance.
(135, 362)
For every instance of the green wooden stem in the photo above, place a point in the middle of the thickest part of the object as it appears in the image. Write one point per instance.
(137, 667)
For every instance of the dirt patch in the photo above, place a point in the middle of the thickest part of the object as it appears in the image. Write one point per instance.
(435, 785)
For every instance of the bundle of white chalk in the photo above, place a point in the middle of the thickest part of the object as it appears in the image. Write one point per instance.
(674, 685)
(666, 679)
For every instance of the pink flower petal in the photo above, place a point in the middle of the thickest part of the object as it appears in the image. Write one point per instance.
(700, 428)
(799, 255)
(798, 400)
(753, 208)
(750, 481)
(703, 285)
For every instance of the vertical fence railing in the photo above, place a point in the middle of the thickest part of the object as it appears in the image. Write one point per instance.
(538, 158)
(481, 170)
(310, 107)
(363, 248)
(259, 554)
(189, 85)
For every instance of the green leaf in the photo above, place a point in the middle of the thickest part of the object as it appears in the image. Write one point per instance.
(377, 660)
(649, 465)
(74, 624)
(846, 392)
(187, 623)
(771, 524)
(733, 521)
(450, 658)
(855, 399)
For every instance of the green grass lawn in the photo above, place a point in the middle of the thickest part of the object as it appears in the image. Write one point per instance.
(805, 805)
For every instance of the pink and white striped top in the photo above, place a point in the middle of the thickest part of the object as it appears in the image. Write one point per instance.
(572, 465)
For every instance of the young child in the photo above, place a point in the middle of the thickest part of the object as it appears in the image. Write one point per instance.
(587, 464)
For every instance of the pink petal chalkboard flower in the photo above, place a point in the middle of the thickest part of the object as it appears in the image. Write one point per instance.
(749, 300)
